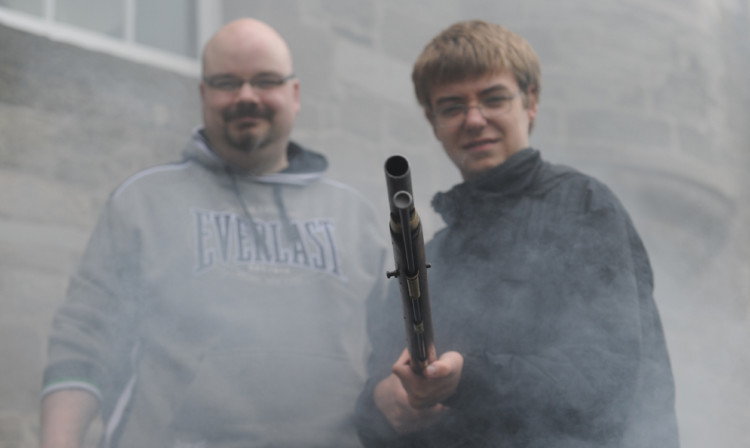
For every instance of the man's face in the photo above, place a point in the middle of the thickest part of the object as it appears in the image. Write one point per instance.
(248, 119)
(479, 140)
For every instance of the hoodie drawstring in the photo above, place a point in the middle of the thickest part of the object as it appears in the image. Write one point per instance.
(291, 231)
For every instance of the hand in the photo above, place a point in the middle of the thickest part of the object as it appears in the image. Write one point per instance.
(439, 382)
(391, 398)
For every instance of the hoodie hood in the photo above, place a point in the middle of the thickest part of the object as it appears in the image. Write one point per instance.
(305, 166)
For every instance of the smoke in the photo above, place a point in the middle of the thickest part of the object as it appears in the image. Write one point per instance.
(657, 86)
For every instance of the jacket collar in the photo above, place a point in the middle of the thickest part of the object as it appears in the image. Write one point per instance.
(510, 178)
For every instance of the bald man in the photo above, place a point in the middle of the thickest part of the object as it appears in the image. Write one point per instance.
(220, 300)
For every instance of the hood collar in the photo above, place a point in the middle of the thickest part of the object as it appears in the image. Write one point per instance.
(305, 166)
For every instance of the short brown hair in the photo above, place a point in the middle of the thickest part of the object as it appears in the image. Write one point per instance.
(472, 49)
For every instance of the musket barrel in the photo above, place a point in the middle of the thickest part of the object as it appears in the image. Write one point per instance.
(409, 255)
(398, 178)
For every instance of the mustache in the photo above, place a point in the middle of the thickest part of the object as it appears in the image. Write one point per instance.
(243, 110)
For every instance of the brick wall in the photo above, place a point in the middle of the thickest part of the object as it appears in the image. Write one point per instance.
(649, 96)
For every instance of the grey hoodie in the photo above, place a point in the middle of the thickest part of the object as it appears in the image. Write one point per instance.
(216, 309)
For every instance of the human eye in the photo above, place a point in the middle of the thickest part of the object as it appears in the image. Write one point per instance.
(267, 83)
(451, 110)
(496, 101)
(225, 83)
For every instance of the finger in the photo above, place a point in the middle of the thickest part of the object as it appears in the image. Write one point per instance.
(429, 416)
(438, 369)
(449, 363)
(402, 368)
(404, 358)
(432, 411)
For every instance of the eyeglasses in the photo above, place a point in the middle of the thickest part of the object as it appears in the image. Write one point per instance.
(230, 83)
(453, 115)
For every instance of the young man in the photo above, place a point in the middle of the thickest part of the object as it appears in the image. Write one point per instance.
(221, 299)
(541, 289)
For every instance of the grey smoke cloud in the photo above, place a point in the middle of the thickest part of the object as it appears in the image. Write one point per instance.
(75, 123)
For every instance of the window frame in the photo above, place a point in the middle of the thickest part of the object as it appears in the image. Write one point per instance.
(208, 17)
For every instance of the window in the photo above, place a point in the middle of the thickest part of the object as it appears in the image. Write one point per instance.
(101, 16)
(180, 37)
(34, 7)
(168, 33)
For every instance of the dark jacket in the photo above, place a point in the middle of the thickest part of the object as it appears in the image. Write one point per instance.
(542, 283)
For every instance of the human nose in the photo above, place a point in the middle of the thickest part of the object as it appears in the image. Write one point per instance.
(473, 118)
(247, 92)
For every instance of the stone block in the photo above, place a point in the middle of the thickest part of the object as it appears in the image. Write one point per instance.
(685, 90)
(21, 349)
(44, 77)
(373, 72)
(41, 199)
(406, 126)
(313, 50)
(602, 125)
(12, 430)
(547, 133)
(270, 11)
(404, 35)
(441, 14)
(49, 247)
(566, 89)
(353, 20)
(697, 142)
(501, 12)
(362, 113)
(316, 117)
(31, 294)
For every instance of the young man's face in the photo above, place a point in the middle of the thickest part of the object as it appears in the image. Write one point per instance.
(481, 139)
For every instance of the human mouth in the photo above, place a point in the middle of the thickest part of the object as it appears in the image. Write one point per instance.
(480, 145)
(246, 119)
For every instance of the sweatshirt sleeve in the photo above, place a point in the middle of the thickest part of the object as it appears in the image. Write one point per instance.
(91, 334)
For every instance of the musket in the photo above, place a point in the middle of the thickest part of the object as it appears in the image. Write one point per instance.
(411, 268)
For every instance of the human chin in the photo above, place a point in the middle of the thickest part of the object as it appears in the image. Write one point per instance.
(473, 167)
(242, 140)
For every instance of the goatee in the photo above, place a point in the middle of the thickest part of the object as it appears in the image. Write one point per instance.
(245, 142)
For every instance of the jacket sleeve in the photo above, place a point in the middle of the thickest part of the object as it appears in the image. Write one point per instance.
(91, 336)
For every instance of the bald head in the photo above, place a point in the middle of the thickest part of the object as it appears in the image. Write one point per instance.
(250, 96)
(245, 38)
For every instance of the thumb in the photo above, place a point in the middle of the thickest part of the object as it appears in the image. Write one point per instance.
(449, 363)
(437, 369)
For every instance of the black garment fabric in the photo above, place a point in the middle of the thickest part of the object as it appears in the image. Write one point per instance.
(542, 283)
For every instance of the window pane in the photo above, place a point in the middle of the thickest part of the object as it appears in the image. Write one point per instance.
(35, 7)
(102, 16)
(168, 25)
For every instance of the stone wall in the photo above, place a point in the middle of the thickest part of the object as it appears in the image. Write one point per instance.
(73, 125)
(649, 96)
